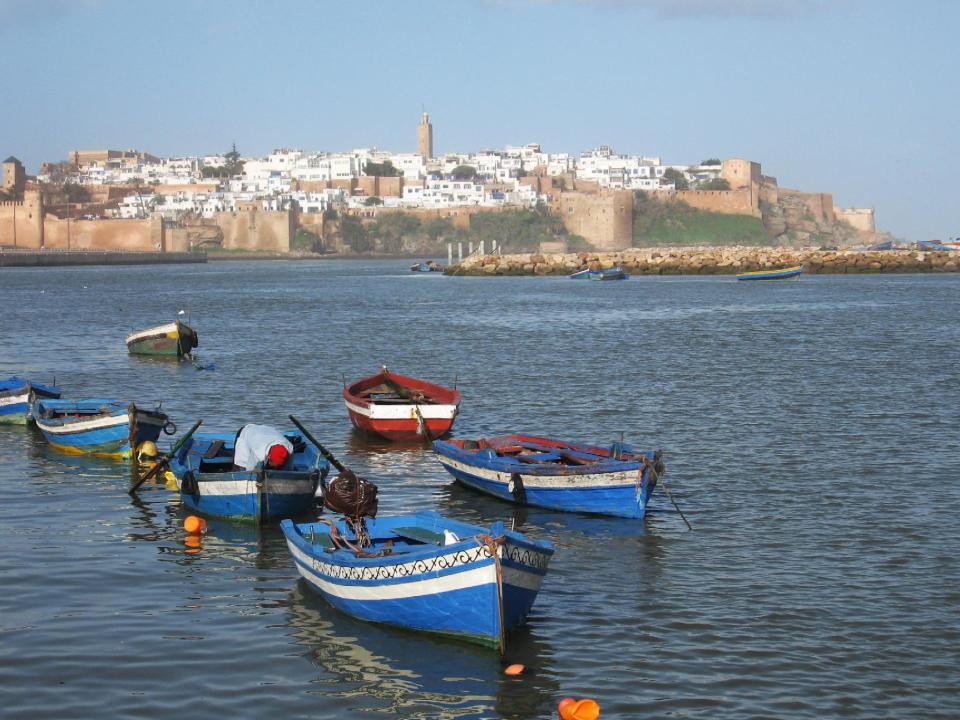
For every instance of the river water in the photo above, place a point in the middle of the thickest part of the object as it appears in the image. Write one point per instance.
(810, 433)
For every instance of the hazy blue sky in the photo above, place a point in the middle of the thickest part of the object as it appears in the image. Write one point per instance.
(854, 97)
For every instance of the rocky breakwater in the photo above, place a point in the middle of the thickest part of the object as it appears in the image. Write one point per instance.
(711, 261)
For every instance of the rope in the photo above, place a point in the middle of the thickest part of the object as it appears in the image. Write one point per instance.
(492, 544)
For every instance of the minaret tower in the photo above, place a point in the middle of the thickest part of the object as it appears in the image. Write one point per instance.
(425, 137)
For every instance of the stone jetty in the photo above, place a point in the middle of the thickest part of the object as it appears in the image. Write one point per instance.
(712, 261)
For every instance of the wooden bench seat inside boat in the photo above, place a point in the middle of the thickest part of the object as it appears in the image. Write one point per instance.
(420, 535)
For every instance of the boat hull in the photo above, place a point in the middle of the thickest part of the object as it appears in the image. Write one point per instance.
(245, 495)
(450, 590)
(14, 408)
(400, 422)
(103, 435)
(620, 490)
(174, 340)
(772, 274)
(237, 497)
(16, 397)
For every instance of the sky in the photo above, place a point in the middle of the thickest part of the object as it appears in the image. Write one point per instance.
(858, 98)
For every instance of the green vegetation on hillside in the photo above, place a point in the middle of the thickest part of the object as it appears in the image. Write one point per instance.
(676, 223)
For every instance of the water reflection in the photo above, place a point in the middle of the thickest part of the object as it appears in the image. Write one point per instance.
(414, 675)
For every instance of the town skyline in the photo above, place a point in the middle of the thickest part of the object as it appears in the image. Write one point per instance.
(838, 96)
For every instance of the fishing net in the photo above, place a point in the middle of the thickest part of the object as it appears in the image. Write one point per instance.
(351, 496)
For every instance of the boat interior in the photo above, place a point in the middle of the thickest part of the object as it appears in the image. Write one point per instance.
(529, 451)
(385, 394)
(217, 455)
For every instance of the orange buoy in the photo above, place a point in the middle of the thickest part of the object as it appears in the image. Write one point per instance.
(194, 524)
(585, 709)
(515, 669)
(563, 707)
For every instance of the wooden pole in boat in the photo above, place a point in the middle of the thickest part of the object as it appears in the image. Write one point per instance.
(659, 480)
(162, 462)
(323, 451)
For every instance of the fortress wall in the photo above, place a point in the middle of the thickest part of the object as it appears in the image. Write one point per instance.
(256, 230)
(103, 234)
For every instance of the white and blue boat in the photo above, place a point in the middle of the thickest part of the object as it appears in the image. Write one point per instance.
(16, 397)
(781, 274)
(554, 474)
(98, 427)
(424, 572)
(211, 484)
(613, 273)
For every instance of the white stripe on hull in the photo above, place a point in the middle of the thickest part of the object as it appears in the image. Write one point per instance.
(83, 425)
(620, 478)
(14, 400)
(418, 585)
(221, 488)
(159, 330)
(521, 579)
(403, 411)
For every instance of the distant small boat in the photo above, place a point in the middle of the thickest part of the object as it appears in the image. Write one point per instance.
(210, 483)
(614, 273)
(771, 274)
(98, 427)
(399, 407)
(16, 397)
(886, 245)
(424, 267)
(933, 245)
(425, 572)
(176, 339)
(554, 474)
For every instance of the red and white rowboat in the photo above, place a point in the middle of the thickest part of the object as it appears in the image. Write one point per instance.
(398, 407)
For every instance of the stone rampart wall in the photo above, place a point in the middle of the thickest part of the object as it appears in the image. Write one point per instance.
(712, 261)
(256, 230)
(103, 234)
(729, 202)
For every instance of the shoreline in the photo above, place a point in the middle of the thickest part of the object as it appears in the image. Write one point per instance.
(726, 260)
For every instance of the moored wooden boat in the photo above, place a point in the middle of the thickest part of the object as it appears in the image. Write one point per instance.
(549, 473)
(424, 572)
(176, 339)
(781, 274)
(17, 396)
(399, 407)
(211, 483)
(98, 427)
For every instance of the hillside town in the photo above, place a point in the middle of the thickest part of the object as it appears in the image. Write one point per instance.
(234, 202)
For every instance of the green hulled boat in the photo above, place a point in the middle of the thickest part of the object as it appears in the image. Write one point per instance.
(174, 340)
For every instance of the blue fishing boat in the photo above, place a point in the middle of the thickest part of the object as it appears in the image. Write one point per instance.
(429, 266)
(16, 397)
(213, 480)
(771, 274)
(424, 572)
(549, 473)
(98, 427)
(933, 245)
(614, 273)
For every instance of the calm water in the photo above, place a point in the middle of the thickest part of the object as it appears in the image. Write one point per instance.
(810, 432)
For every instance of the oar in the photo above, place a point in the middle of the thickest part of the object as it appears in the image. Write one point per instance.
(656, 476)
(323, 451)
(166, 458)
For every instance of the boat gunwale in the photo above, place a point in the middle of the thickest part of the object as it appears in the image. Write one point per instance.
(438, 394)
